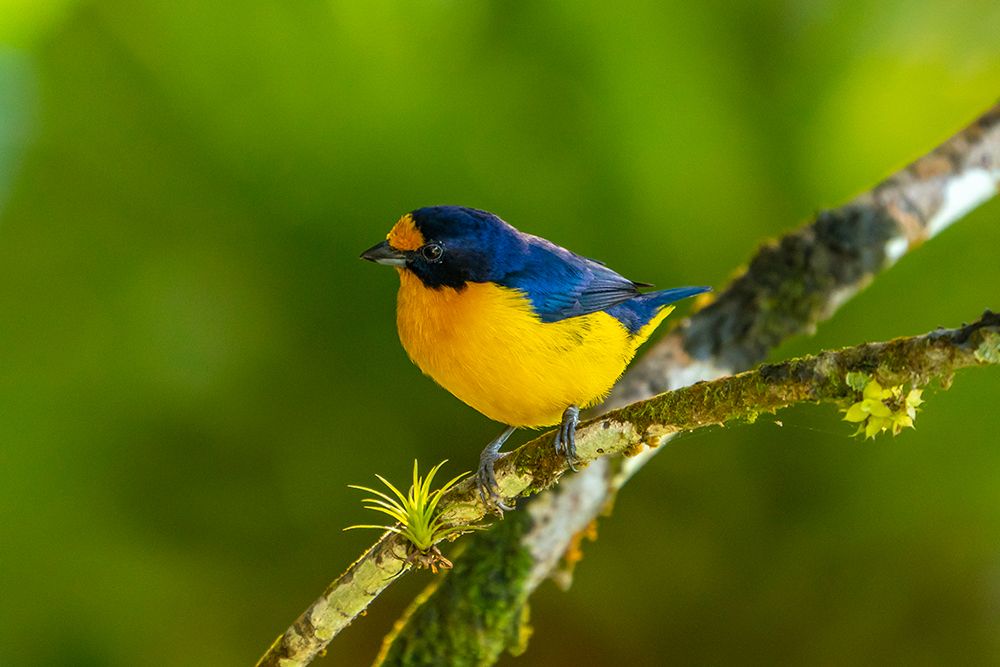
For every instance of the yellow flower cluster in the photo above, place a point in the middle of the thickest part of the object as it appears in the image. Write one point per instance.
(882, 409)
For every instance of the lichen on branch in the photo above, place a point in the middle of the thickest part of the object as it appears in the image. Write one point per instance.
(914, 361)
(788, 287)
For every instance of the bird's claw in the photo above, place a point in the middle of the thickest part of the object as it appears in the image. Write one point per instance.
(489, 490)
(565, 440)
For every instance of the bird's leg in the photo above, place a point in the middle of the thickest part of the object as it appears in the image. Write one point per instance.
(489, 490)
(565, 440)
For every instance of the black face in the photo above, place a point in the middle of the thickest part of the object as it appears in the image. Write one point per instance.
(439, 264)
(462, 245)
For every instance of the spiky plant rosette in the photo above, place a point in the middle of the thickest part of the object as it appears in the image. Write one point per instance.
(416, 514)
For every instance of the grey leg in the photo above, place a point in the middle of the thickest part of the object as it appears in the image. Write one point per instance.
(565, 440)
(489, 490)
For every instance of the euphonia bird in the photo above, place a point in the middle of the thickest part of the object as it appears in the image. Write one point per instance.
(517, 327)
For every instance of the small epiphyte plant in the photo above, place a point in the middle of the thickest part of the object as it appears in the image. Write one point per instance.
(417, 518)
(881, 409)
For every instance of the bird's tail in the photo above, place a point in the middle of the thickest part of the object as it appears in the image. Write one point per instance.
(661, 298)
(642, 314)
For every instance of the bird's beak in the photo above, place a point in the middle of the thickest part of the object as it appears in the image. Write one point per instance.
(383, 253)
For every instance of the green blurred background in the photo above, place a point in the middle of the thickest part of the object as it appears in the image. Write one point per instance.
(194, 364)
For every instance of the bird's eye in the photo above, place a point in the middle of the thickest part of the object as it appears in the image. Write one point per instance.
(432, 252)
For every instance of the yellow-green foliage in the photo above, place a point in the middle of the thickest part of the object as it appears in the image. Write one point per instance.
(416, 512)
(881, 409)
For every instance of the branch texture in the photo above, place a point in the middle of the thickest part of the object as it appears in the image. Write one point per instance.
(437, 625)
(787, 288)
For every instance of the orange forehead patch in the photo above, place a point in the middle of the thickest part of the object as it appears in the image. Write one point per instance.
(404, 235)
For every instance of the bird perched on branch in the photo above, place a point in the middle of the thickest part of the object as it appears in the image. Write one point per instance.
(524, 331)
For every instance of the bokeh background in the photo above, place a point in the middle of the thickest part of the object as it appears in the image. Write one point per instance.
(194, 364)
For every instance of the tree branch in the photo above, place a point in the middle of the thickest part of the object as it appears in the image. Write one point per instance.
(437, 627)
(787, 288)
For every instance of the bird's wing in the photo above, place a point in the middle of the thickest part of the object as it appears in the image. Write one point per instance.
(562, 284)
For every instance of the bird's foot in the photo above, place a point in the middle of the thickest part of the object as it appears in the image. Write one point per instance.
(565, 440)
(489, 490)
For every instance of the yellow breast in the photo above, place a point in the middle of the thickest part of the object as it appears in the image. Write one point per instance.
(486, 346)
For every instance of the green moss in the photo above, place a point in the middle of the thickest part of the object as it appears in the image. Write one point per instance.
(524, 632)
(857, 380)
(989, 350)
(479, 610)
(471, 615)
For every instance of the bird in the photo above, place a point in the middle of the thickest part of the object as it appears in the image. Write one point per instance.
(522, 330)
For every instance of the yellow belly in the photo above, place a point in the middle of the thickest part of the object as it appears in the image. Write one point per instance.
(486, 346)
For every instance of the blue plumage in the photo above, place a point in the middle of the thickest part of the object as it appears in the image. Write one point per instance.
(638, 311)
(559, 283)
(466, 277)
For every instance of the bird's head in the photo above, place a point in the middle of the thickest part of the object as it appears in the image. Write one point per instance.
(449, 246)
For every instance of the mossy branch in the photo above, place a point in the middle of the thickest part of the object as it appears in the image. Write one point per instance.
(787, 288)
(535, 466)
(437, 627)
(915, 360)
